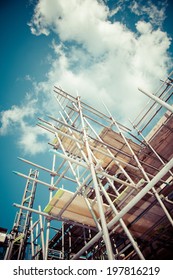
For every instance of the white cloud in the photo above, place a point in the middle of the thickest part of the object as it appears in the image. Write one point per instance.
(16, 114)
(151, 51)
(30, 140)
(97, 58)
(19, 121)
(103, 58)
(28, 78)
(156, 13)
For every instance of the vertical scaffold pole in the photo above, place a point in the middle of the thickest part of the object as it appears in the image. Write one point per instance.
(96, 187)
(41, 232)
(48, 221)
(123, 225)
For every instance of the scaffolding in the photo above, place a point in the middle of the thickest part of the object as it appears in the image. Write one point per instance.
(110, 193)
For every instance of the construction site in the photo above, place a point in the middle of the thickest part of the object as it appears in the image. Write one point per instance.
(110, 188)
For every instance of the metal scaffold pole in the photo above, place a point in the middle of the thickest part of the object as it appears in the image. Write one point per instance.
(96, 187)
(139, 196)
(158, 100)
(46, 250)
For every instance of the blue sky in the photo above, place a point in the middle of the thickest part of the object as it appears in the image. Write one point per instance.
(98, 48)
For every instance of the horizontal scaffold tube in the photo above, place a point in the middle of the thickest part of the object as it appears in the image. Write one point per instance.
(158, 100)
(97, 171)
(53, 173)
(69, 158)
(50, 217)
(35, 180)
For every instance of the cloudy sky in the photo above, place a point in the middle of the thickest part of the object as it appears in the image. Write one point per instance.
(100, 49)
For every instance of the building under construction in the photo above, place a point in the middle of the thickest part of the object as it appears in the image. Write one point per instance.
(110, 190)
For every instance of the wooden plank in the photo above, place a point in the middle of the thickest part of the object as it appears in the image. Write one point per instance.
(77, 210)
